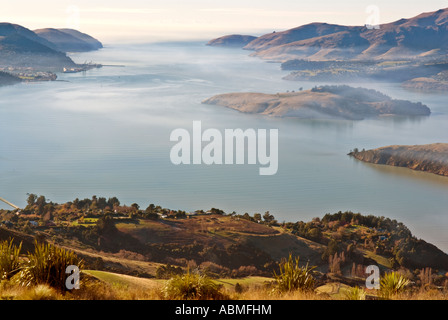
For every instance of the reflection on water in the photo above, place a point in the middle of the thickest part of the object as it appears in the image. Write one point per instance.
(408, 174)
(106, 133)
(397, 120)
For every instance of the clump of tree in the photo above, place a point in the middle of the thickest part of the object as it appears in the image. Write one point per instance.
(358, 94)
(335, 263)
(267, 218)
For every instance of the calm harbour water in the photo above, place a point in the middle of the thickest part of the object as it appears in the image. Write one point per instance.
(106, 133)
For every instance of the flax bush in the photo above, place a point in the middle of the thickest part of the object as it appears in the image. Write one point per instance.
(393, 283)
(9, 259)
(47, 265)
(293, 277)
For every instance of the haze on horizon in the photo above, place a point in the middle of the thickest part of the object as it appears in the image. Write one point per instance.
(157, 20)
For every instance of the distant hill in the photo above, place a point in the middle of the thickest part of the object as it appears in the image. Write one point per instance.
(327, 102)
(42, 50)
(425, 35)
(234, 41)
(21, 44)
(434, 82)
(426, 84)
(347, 44)
(308, 31)
(69, 40)
(431, 158)
(10, 29)
(362, 71)
(22, 48)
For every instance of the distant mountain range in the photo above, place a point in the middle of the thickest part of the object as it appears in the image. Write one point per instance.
(43, 49)
(425, 35)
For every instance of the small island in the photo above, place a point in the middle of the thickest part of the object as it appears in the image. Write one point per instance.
(431, 158)
(325, 102)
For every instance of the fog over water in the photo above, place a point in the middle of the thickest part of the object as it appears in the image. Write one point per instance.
(106, 133)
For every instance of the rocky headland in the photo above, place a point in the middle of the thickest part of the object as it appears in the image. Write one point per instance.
(431, 158)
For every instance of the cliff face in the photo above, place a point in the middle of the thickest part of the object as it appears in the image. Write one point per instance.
(431, 158)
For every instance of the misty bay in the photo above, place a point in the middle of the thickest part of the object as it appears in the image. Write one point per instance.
(107, 133)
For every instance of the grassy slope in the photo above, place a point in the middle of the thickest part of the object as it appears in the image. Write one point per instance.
(224, 231)
(380, 260)
(212, 230)
(124, 280)
(133, 282)
(118, 263)
(253, 285)
(209, 230)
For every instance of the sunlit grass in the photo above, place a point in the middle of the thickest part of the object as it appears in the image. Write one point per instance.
(192, 286)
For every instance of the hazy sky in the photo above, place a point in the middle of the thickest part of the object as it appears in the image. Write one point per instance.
(155, 20)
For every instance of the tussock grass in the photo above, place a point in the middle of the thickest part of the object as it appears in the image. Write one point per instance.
(194, 286)
(432, 294)
(9, 290)
(40, 292)
(260, 293)
(355, 293)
